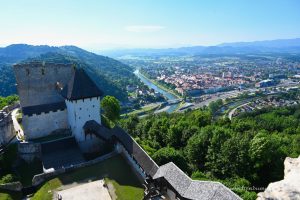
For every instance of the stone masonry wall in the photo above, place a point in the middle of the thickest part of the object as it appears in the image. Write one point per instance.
(40, 178)
(14, 186)
(7, 131)
(29, 150)
(134, 165)
(36, 82)
(36, 126)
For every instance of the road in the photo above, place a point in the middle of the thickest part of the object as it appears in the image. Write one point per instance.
(214, 97)
(233, 110)
(235, 93)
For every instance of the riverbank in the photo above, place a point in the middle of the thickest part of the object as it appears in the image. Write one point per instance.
(143, 110)
(162, 87)
(165, 92)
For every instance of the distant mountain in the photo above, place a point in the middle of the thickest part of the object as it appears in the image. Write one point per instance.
(268, 46)
(281, 43)
(111, 75)
(154, 52)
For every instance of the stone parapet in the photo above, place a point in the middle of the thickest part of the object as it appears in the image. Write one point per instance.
(14, 186)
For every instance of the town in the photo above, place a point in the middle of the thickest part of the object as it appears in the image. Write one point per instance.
(197, 75)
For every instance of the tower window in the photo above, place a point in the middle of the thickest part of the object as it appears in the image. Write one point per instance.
(93, 106)
(43, 71)
(79, 108)
(27, 72)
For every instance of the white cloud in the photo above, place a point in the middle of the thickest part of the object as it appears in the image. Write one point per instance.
(142, 29)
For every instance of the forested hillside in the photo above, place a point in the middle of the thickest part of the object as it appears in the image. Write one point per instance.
(112, 75)
(9, 100)
(245, 154)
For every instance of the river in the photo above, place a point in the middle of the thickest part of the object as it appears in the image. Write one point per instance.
(156, 88)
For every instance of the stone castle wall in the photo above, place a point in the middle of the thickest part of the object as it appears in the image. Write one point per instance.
(39, 84)
(7, 131)
(29, 150)
(41, 125)
(36, 82)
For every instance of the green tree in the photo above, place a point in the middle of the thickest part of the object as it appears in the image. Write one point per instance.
(111, 108)
(9, 100)
(197, 147)
(234, 157)
(169, 154)
(267, 156)
(214, 157)
(129, 124)
(215, 105)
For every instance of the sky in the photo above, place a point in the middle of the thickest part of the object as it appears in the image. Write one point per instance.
(106, 24)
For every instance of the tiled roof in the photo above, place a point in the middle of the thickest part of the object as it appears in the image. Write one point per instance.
(44, 108)
(191, 189)
(80, 86)
(179, 180)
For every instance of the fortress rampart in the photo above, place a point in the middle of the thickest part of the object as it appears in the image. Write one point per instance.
(38, 85)
(7, 131)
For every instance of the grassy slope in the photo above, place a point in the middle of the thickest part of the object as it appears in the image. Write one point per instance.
(144, 110)
(116, 170)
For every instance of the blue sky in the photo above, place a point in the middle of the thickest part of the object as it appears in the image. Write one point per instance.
(101, 24)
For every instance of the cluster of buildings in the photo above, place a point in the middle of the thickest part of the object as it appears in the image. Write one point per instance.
(204, 83)
(143, 95)
(196, 75)
(265, 83)
(270, 101)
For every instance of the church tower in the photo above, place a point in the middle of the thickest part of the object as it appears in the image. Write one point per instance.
(82, 97)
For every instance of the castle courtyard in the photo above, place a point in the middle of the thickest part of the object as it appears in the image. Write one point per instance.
(93, 191)
(87, 182)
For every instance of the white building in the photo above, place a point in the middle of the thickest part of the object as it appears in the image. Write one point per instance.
(82, 98)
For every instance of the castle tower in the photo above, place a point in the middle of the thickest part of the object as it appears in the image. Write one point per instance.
(44, 109)
(82, 97)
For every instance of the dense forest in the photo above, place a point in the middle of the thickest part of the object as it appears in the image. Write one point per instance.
(111, 75)
(245, 154)
(9, 100)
